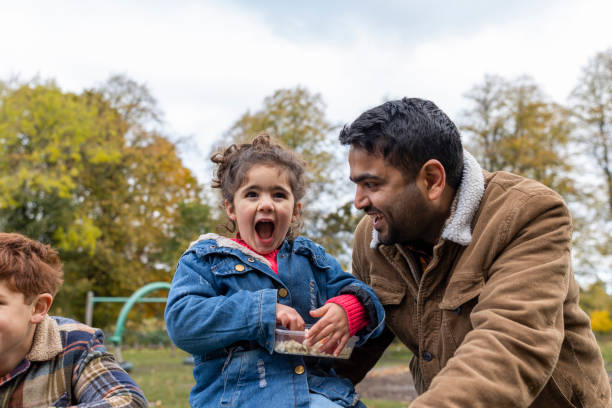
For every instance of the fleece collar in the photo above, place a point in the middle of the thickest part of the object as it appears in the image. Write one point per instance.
(47, 342)
(228, 243)
(457, 227)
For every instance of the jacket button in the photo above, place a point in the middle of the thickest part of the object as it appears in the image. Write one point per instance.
(239, 267)
(427, 356)
(299, 369)
(251, 260)
(282, 292)
(457, 310)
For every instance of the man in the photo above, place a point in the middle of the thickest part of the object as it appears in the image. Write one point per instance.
(473, 269)
(50, 361)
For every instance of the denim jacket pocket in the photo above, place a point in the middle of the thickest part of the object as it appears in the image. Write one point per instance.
(230, 266)
(315, 254)
(337, 390)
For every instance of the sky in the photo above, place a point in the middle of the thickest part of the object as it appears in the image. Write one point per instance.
(209, 62)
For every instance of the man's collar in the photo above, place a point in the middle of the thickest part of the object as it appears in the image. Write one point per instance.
(457, 227)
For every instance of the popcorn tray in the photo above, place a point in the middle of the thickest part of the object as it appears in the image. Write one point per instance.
(294, 342)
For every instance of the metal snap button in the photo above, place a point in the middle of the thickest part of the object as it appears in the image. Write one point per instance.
(299, 369)
(282, 292)
(251, 259)
(239, 267)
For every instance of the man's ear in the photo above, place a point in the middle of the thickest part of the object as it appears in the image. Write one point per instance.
(40, 307)
(297, 209)
(229, 210)
(433, 178)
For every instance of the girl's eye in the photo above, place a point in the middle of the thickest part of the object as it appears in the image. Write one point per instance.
(250, 194)
(280, 195)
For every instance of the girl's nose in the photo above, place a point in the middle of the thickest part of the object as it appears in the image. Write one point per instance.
(265, 204)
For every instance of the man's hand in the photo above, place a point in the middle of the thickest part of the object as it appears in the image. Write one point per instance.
(288, 317)
(332, 326)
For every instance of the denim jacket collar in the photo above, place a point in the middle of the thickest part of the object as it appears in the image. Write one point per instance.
(224, 242)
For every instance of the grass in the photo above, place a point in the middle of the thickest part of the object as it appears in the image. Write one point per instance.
(395, 354)
(606, 352)
(161, 374)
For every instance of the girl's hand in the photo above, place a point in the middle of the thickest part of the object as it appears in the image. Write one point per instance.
(332, 326)
(288, 317)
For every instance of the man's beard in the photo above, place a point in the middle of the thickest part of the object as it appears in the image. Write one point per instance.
(394, 234)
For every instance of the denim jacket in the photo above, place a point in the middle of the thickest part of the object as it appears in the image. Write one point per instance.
(222, 309)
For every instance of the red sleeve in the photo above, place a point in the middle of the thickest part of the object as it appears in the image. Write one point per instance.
(355, 312)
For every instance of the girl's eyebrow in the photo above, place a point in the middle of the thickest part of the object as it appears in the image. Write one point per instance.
(258, 187)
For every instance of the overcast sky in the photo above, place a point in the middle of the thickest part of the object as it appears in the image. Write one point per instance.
(208, 62)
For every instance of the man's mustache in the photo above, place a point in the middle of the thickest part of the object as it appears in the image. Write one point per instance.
(371, 209)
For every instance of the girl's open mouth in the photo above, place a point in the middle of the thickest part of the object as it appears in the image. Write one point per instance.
(264, 229)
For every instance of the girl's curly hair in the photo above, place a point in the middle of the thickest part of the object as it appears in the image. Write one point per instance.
(234, 162)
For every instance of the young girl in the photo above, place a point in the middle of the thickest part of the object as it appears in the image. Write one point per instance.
(229, 295)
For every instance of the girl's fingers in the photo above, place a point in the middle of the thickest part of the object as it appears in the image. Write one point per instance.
(341, 345)
(296, 323)
(315, 333)
(325, 334)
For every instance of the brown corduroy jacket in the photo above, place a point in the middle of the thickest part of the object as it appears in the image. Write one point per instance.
(494, 322)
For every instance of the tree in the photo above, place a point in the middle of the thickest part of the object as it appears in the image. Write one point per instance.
(512, 126)
(595, 297)
(592, 106)
(92, 178)
(296, 117)
(485, 122)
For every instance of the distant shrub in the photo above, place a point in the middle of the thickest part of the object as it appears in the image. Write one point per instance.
(600, 321)
(148, 332)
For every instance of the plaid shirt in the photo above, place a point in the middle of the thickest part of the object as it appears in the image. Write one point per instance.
(68, 365)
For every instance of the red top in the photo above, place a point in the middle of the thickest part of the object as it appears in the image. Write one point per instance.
(355, 312)
(271, 257)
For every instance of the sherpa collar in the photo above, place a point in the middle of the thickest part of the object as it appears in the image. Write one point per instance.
(228, 243)
(47, 342)
(457, 227)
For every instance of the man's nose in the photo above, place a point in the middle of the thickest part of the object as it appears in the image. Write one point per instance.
(361, 200)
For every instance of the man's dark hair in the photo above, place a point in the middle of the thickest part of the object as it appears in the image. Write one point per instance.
(407, 133)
